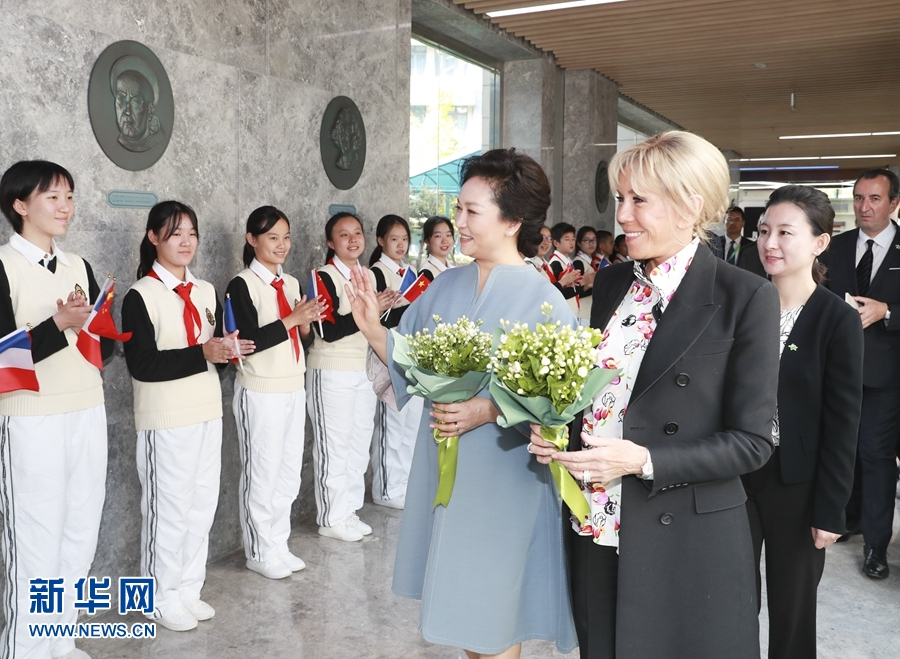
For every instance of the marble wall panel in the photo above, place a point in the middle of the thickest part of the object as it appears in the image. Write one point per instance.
(251, 79)
(591, 113)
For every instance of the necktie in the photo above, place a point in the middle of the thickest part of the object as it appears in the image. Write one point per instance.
(729, 257)
(191, 315)
(50, 264)
(401, 271)
(284, 310)
(864, 269)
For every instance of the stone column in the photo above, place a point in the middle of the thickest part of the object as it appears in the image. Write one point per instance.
(530, 117)
(590, 118)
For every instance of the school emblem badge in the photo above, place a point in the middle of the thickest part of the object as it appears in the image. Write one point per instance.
(80, 291)
(210, 317)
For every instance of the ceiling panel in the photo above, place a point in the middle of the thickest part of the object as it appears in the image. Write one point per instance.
(694, 62)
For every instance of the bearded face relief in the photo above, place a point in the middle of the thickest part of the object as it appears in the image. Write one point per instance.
(136, 94)
(346, 137)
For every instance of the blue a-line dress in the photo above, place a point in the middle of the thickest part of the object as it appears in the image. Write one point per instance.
(489, 568)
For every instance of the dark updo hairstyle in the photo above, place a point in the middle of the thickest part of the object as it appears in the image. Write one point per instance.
(433, 223)
(24, 179)
(520, 188)
(818, 210)
(385, 224)
(329, 229)
(163, 220)
(261, 221)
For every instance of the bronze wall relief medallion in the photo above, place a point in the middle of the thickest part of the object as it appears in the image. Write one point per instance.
(130, 104)
(342, 142)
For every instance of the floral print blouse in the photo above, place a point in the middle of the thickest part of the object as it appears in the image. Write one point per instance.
(788, 318)
(624, 344)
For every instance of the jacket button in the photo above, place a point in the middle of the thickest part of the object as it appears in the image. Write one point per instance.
(666, 518)
(671, 428)
(682, 379)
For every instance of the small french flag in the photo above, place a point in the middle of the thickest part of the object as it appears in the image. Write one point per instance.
(231, 326)
(99, 323)
(409, 278)
(16, 364)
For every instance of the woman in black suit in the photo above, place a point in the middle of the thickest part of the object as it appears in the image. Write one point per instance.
(663, 567)
(796, 501)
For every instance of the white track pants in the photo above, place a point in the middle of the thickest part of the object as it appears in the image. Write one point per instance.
(392, 447)
(270, 435)
(52, 486)
(179, 472)
(342, 409)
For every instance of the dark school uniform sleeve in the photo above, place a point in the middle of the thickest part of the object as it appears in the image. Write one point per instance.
(582, 268)
(145, 361)
(567, 291)
(343, 324)
(428, 274)
(46, 339)
(380, 281)
(106, 345)
(394, 315)
(247, 318)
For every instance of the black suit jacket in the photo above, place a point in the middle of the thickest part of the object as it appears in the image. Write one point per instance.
(748, 255)
(819, 400)
(703, 403)
(881, 364)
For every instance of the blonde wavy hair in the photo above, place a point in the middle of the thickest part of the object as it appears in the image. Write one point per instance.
(678, 165)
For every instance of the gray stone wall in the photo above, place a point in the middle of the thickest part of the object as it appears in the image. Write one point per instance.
(591, 113)
(251, 79)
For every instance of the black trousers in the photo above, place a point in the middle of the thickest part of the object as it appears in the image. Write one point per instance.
(593, 582)
(779, 516)
(879, 429)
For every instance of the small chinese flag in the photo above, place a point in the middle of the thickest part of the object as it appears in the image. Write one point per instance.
(416, 288)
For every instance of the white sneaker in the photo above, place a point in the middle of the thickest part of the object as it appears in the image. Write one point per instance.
(295, 563)
(199, 609)
(273, 568)
(179, 619)
(364, 528)
(76, 654)
(396, 503)
(346, 530)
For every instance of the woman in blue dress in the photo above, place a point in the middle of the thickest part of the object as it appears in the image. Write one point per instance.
(489, 567)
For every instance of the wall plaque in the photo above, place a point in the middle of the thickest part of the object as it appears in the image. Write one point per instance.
(601, 186)
(130, 104)
(334, 209)
(342, 142)
(131, 199)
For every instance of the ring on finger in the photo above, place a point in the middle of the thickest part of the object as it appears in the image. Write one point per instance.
(586, 478)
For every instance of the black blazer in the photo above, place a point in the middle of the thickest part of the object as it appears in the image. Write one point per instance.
(881, 364)
(819, 400)
(702, 403)
(748, 255)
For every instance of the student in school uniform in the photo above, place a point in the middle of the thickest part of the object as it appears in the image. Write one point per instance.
(395, 430)
(52, 441)
(176, 345)
(538, 260)
(585, 243)
(438, 237)
(339, 396)
(563, 274)
(269, 396)
(606, 247)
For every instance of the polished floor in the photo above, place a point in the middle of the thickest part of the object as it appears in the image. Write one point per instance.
(341, 606)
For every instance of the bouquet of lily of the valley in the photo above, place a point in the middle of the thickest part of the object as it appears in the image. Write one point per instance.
(547, 376)
(448, 365)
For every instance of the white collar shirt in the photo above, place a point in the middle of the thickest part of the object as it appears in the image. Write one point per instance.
(882, 244)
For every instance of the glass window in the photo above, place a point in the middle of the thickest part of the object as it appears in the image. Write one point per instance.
(454, 113)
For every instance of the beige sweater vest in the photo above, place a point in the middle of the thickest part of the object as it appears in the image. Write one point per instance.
(185, 401)
(276, 370)
(67, 380)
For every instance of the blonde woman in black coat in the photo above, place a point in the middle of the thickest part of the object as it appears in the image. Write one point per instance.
(796, 501)
(663, 567)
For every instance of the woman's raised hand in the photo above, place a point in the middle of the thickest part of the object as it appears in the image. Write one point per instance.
(364, 303)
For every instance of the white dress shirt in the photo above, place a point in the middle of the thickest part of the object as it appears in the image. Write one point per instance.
(883, 242)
